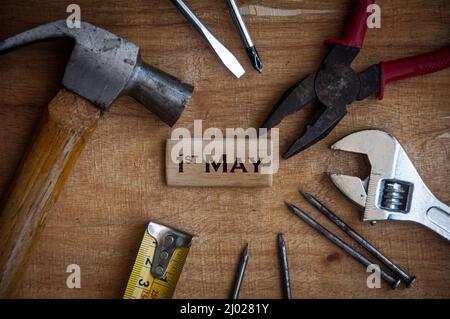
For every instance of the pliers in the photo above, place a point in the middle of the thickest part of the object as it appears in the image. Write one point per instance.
(337, 85)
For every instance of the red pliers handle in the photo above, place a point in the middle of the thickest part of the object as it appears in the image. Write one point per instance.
(356, 25)
(355, 32)
(413, 66)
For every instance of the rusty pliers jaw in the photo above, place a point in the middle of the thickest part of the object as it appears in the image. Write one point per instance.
(104, 67)
(334, 86)
(292, 101)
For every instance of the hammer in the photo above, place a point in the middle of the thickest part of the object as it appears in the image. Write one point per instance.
(102, 68)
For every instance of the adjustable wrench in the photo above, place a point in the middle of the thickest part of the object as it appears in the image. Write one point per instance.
(393, 190)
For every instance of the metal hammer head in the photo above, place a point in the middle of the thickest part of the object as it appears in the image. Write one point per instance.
(103, 67)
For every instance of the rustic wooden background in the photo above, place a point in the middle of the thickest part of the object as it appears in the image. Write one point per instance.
(118, 183)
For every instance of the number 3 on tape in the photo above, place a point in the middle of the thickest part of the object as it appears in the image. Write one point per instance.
(159, 263)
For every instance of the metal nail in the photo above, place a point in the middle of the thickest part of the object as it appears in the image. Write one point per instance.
(341, 244)
(408, 279)
(284, 267)
(240, 274)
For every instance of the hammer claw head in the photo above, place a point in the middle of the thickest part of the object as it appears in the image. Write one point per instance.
(100, 66)
(103, 67)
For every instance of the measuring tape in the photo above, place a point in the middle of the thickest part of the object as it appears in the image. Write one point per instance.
(159, 263)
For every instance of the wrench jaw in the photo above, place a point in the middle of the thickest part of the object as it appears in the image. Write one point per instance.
(351, 186)
(382, 195)
(394, 189)
(381, 150)
(363, 193)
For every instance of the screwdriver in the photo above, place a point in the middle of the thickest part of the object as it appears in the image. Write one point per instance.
(245, 35)
(227, 58)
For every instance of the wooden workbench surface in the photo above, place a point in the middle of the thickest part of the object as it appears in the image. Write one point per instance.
(118, 183)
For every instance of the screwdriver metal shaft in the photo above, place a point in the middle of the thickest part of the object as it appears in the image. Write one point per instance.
(240, 274)
(409, 280)
(284, 267)
(245, 36)
(341, 244)
(227, 58)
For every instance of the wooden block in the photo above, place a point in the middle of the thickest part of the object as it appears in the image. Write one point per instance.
(226, 168)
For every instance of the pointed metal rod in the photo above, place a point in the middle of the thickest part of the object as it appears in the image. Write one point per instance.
(245, 36)
(341, 244)
(409, 280)
(240, 273)
(284, 267)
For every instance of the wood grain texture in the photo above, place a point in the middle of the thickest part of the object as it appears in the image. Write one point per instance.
(64, 130)
(118, 183)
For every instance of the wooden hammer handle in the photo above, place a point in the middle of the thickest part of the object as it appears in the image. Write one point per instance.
(63, 132)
